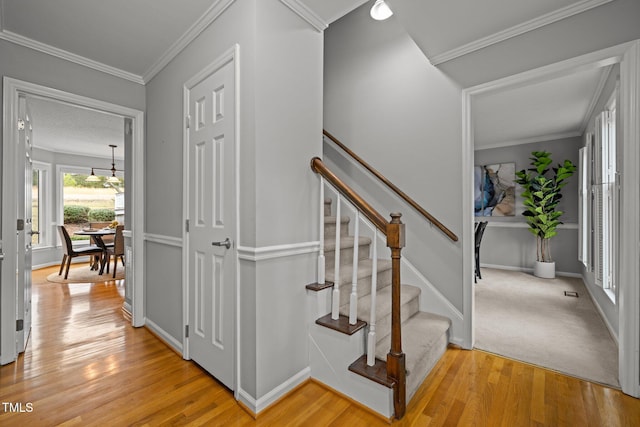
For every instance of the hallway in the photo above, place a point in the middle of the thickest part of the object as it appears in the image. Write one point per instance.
(86, 366)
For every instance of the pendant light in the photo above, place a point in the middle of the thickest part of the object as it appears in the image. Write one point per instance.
(92, 177)
(113, 179)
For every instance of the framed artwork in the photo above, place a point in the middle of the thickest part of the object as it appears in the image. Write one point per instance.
(495, 189)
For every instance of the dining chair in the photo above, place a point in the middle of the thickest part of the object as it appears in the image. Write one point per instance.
(479, 232)
(71, 252)
(116, 251)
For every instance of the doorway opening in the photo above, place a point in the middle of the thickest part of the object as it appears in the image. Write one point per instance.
(132, 127)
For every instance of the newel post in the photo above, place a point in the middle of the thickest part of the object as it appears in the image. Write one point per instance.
(396, 358)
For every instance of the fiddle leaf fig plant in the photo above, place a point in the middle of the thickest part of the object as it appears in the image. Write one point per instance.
(541, 197)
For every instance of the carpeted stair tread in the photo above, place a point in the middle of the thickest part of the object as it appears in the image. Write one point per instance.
(383, 303)
(365, 267)
(424, 341)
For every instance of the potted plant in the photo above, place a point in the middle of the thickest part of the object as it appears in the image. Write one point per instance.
(541, 197)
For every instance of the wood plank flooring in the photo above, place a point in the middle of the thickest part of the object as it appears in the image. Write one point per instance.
(85, 366)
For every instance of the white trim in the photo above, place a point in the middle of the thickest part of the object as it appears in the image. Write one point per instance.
(163, 240)
(504, 224)
(594, 100)
(628, 54)
(516, 30)
(308, 15)
(527, 270)
(258, 405)
(277, 251)
(214, 11)
(165, 336)
(432, 300)
(69, 56)
(539, 138)
(12, 89)
(44, 201)
(613, 333)
(629, 293)
(468, 257)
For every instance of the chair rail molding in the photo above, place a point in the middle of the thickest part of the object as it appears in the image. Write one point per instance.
(163, 239)
(277, 251)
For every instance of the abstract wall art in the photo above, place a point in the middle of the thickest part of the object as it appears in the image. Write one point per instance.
(495, 190)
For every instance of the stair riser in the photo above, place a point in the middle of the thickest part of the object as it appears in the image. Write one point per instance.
(364, 286)
(346, 255)
(383, 325)
(330, 231)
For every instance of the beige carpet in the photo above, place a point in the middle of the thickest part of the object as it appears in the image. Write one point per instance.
(82, 274)
(530, 319)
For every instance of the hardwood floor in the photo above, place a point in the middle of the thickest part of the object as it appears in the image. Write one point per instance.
(86, 366)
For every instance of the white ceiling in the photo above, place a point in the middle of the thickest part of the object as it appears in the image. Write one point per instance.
(135, 39)
(64, 128)
(547, 110)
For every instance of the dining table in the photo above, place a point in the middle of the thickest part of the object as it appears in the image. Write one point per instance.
(97, 234)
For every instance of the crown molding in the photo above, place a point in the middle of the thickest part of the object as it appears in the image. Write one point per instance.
(216, 9)
(604, 76)
(306, 14)
(516, 30)
(68, 56)
(541, 138)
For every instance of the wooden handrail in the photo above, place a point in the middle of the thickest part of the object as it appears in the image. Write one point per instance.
(318, 166)
(395, 189)
(394, 230)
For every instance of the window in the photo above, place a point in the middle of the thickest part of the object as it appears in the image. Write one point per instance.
(40, 206)
(82, 203)
(598, 200)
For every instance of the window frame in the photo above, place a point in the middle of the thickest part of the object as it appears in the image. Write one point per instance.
(45, 225)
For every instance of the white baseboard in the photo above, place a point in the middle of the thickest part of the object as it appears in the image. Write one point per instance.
(258, 405)
(167, 338)
(612, 332)
(528, 270)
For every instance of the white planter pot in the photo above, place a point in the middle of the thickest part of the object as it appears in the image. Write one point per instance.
(545, 270)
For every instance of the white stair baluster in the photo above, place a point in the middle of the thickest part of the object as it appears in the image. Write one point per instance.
(335, 302)
(353, 300)
(371, 337)
(321, 265)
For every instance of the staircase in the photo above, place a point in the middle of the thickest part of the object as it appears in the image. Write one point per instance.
(424, 335)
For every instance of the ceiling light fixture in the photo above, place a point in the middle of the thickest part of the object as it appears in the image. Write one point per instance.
(113, 178)
(380, 11)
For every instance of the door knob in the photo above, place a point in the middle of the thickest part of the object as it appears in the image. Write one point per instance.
(34, 232)
(226, 243)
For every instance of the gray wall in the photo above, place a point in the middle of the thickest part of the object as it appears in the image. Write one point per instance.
(506, 241)
(402, 115)
(280, 130)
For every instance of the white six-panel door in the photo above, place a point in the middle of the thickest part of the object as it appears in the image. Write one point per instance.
(212, 223)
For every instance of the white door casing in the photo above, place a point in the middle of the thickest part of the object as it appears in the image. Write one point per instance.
(25, 231)
(13, 89)
(211, 258)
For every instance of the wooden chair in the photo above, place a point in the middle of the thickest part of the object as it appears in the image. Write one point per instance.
(71, 252)
(117, 251)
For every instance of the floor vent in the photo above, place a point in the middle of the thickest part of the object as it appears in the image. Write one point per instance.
(571, 294)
